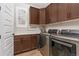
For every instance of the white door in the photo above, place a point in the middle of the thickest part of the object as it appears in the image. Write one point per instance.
(0, 28)
(6, 29)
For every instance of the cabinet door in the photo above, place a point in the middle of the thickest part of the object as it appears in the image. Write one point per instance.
(53, 13)
(42, 16)
(34, 15)
(62, 11)
(47, 15)
(74, 10)
(26, 43)
(34, 41)
(17, 45)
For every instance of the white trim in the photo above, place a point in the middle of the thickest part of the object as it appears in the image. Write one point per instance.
(17, 20)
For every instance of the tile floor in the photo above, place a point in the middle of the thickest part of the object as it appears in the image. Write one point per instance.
(35, 52)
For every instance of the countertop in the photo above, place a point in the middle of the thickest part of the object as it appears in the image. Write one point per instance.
(25, 33)
(73, 38)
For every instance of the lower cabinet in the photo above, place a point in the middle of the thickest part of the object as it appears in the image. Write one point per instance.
(24, 43)
(34, 41)
(17, 45)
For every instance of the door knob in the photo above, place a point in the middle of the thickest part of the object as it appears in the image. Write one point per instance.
(13, 34)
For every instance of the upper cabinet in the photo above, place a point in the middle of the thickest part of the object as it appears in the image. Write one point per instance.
(37, 16)
(74, 10)
(55, 12)
(42, 16)
(68, 11)
(62, 10)
(34, 15)
(51, 13)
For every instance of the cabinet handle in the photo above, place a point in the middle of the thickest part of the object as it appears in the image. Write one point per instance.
(69, 15)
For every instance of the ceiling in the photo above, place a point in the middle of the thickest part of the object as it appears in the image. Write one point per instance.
(39, 5)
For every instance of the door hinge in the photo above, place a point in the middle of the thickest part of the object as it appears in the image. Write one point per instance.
(0, 8)
(0, 36)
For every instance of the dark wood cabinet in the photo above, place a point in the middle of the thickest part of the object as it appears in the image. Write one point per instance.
(17, 45)
(51, 13)
(42, 16)
(25, 43)
(48, 10)
(74, 10)
(54, 12)
(62, 11)
(68, 11)
(34, 15)
(57, 12)
(34, 41)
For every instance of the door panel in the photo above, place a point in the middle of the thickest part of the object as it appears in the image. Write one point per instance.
(17, 45)
(42, 16)
(26, 43)
(74, 10)
(53, 13)
(34, 41)
(34, 15)
(62, 12)
(0, 27)
(7, 23)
